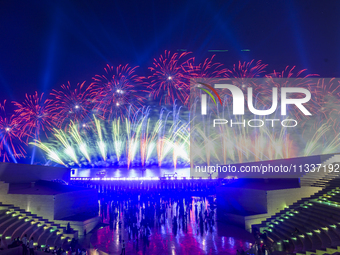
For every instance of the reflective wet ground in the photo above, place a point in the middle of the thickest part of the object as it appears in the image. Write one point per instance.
(191, 238)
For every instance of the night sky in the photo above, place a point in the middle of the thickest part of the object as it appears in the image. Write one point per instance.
(47, 43)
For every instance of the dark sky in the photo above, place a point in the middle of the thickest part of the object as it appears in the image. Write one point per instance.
(47, 43)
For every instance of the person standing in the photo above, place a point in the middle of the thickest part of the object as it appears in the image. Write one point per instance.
(24, 245)
(31, 246)
(123, 248)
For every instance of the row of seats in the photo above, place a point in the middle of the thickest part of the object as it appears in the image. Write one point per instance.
(309, 226)
(15, 222)
(323, 173)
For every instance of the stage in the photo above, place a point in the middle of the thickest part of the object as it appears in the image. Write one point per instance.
(111, 174)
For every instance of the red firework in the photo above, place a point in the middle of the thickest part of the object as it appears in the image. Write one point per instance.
(208, 72)
(247, 70)
(288, 72)
(169, 80)
(325, 98)
(33, 116)
(70, 104)
(287, 78)
(241, 75)
(207, 69)
(118, 92)
(11, 143)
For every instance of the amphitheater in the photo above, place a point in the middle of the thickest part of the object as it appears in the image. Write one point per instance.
(301, 217)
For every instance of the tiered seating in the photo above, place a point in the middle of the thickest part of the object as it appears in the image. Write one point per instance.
(320, 177)
(317, 219)
(15, 222)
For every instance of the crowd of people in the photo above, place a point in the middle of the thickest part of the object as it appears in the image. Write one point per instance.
(263, 244)
(27, 245)
(137, 212)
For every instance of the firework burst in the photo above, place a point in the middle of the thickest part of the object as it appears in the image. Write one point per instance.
(241, 75)
(289, 77)
(207, 69)
(288, 72)
(206, 72)
(118, 92)
(325, 100)
(107, 123)
(11, 144)
(117, 142)
(247, 70)
(169, 80)
(70, 104)
(33, 117)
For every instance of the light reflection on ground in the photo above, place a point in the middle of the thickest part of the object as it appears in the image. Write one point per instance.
(222, 239)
